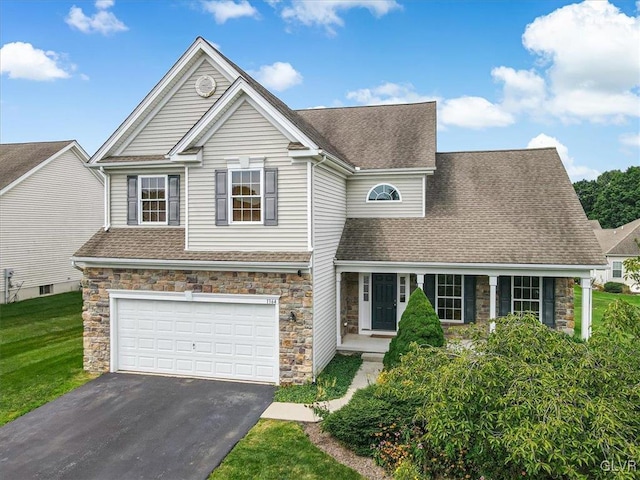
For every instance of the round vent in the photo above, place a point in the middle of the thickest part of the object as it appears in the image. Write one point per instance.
(205, 86)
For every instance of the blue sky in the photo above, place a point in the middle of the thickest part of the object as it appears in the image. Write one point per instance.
(505, 74)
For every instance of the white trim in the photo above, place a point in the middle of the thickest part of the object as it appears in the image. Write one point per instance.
(400, 305)
(531, 300)
(424, 196)
(251, 168)
(367, 200)
(493, 304)
(359, 173)
(621, 269)
(167, 97)
(165, 164)
(166, 199)
(79, 152)
(364, 307)
(107, 201)
(199, 45)
(189, 296)
(159, 264)
(309, 207)
(338, 309)
(216, 125)
(186, 208)
(464, 268)
(587, 306)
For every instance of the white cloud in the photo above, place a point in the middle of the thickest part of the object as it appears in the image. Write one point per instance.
(523, 90)
(22, 60)
(630, 139)
(102, 21)
(388, 93)
(591, 52)
(326, 13)
(224, 10)
(473, 112)
(576, 172)
(278, 76)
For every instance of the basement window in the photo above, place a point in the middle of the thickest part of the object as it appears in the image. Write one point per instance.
(46, 289)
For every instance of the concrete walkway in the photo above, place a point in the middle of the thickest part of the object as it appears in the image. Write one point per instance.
(366, 375)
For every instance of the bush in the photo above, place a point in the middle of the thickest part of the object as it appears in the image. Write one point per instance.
(419, 323)
(368, 413)
(614, 287)
(528, 401)
(621, 317)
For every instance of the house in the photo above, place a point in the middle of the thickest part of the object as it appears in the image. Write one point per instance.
(42, 220)
(617, 244)
(244, 240)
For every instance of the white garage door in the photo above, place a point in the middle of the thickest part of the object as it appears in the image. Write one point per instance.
(236, 341)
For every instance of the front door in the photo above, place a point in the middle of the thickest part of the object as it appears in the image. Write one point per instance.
(383, 302)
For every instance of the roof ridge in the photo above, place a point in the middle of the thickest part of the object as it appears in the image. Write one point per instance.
(346, 107)
(40, 143)
(499, 150)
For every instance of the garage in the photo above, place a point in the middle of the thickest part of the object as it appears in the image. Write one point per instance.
(232, 337)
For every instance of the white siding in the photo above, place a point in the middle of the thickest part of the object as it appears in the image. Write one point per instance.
(329, 215)
(177, 116)
(604, 276)
(44, 220)
(248, 133)
(119, 193)
(409, 186)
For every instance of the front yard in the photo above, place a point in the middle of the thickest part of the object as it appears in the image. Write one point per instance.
(601, 301)
(40, 352)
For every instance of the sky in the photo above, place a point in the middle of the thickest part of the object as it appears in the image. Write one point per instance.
(504, 74)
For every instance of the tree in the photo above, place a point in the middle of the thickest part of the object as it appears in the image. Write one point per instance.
(632, 267)
(613, 198)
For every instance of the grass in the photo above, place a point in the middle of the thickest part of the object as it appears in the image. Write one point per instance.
(40, 352)
(332, 383)
(601, 301)
(277, 450)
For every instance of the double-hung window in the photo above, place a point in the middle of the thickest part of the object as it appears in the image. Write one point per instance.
(153, 199)
(616, 270)
(449, 303)
(526, 295)
(246, 195)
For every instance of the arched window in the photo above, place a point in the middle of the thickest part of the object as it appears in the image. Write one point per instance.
(384, 191)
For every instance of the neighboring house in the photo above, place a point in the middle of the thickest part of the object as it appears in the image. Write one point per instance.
(247, 241)
(617, 244)
(50, 204)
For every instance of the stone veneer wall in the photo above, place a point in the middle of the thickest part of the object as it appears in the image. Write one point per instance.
(296, 294)
(565, 319)
(350, 300)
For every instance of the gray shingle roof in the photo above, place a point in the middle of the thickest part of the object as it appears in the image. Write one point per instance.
(168, 244)
(132, 158)
(621, 240)
(383, 136)
(16, 159)
(499, 207)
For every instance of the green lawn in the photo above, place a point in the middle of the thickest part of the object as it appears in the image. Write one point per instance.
(600, 302)
(276, 450)
(40, 352)
(334, 381)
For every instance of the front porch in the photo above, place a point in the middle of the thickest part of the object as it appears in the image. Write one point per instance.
(369, 304)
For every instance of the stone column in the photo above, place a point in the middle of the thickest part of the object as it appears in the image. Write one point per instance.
(493, 283)
(585, 283)
(338, 309)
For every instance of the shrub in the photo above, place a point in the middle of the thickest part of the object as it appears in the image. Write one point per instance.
(368, 413)
(614, 287)
(419, 323)
(621, 317)
(528, 401)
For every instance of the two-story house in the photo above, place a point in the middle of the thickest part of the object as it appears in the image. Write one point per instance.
(244, 240)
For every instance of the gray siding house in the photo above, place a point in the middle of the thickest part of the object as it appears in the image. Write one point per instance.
(43, 221)
(247, 241)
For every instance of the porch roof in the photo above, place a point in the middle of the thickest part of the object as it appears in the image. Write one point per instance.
(501, 207)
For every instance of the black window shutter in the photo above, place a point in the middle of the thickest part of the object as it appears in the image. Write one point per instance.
(504, 290)
(430, 288)
(174, 200)
(469, 299)
(549, 301)
(271, 196)
(132, 200)
(222, 198)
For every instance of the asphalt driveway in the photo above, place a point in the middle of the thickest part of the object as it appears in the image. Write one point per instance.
(123, 426)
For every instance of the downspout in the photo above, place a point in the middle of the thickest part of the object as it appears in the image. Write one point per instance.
(313, 250)
(107, 199)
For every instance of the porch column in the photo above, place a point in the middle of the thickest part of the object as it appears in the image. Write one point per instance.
(585, 283)
(338, 309)
(420, 277)
(493, 284)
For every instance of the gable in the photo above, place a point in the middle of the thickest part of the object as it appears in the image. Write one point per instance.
(171, 120)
